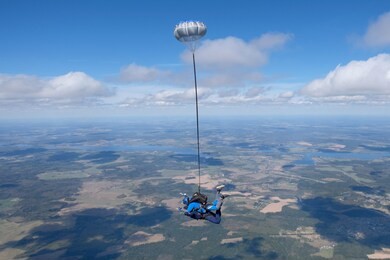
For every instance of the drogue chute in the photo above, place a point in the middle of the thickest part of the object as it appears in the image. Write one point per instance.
(190, 33)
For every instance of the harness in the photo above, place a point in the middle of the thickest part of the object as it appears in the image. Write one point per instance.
(199, 197)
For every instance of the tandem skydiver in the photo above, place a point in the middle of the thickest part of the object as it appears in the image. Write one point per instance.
(197, 208)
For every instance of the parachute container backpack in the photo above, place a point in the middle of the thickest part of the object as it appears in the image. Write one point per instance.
(190, 33)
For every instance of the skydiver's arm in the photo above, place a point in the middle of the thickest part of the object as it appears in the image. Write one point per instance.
(195, 206)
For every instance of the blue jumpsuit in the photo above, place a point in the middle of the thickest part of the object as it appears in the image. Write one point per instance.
(196, 211)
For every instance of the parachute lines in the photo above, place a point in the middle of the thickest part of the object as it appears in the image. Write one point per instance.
(190, 33)
(197, 117)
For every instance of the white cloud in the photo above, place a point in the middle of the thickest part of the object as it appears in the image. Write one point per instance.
(74, 85)
(138, 73)
(71, 87)
(168, 97)
(286, 94)
(229, 74)
(270, 41)
(250, 96)
(254, 92)
(228, 93)
(229, 78)
(229, 52)
(208, 96)
(369, 78)
(345, 99)
(227, 62)
(378, 33)
(233, 52)
(20, 86)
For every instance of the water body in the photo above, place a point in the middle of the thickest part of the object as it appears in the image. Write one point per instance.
(306, 160)
(308, 157)
(137, 148)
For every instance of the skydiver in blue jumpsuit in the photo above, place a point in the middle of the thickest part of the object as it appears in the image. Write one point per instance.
(210, 212)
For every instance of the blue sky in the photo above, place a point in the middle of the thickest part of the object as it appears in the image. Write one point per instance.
(102, 58)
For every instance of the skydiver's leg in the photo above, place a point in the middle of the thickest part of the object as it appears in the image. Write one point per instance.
(218, 213)
(213, 217)
(219, 197)
(217, 203)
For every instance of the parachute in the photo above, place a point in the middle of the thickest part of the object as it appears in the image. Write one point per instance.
(190, 33)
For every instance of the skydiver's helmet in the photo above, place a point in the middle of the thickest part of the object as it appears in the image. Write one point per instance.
(199, 197)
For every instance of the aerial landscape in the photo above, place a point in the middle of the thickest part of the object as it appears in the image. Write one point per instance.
(111, 189)
(107, 118)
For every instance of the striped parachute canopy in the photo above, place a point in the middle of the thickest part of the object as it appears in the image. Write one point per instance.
(190, 32)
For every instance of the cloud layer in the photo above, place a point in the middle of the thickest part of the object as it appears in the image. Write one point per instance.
(71, 87)
(209, 96)
(357, 79)
(233, 52)
(229, 74)
(227, 62)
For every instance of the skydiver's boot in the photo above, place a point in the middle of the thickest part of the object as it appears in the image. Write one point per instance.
(219, 188)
